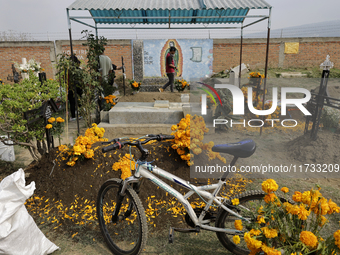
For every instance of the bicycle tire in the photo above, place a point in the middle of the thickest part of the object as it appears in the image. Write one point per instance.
(222, 222)
(132, 241)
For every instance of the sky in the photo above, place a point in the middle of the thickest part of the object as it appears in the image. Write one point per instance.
(46, 19)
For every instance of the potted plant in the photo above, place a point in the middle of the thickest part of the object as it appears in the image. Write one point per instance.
(180, 85)
(135, 86)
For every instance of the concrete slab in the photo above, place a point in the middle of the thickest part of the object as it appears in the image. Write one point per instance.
(185, 98)
(176, 106)
(161, 104)
(143, 113)
(291, 74)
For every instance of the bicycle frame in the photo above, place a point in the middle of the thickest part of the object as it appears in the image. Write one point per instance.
(148, 171)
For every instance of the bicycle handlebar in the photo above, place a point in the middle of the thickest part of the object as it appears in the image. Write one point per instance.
(118, 145)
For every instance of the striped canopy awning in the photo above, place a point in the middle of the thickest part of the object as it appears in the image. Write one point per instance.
(169, 12)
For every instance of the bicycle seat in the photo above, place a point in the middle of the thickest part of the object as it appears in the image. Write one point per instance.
(241, 149)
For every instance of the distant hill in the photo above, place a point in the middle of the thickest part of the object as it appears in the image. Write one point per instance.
(320, 29)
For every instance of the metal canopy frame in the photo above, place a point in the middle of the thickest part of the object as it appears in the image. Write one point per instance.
(173, 20)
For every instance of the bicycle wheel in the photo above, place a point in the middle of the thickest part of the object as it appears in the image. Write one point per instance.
(252, 200)
(127, 235)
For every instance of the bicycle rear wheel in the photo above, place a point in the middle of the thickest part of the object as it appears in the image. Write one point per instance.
(127, 235)
(252, 200)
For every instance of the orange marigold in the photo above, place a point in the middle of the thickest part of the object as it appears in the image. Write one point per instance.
(238, 224)
(308, 238)
(269, 186)
(285, 190)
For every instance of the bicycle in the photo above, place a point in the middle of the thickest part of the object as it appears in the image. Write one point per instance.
(118, 204)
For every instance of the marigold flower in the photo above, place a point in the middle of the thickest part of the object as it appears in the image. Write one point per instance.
(48, 126)
(62, 148)
(255, 232)
(269, 186)
(235, 201)
(308, 238)
(238, 224)
(260, 219)
(285, 190)
(252, 244)
(269, 233)
(197, 151)
(271, 197)
(236, 239)
(60, 120)
(89, 154)
(337, 238)
(303, 212)
(333, 207)
(51, 120)
(297, 196)
(269, 250)
(71, 163)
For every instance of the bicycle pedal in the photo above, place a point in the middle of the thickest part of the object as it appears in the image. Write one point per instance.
(187, 230)
(171, 235)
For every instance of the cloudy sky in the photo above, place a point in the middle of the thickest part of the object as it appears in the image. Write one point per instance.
(42, 18)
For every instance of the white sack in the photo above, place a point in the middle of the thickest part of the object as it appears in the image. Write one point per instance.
(19, 235)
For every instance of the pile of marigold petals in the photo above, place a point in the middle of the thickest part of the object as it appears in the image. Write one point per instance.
(83, 144)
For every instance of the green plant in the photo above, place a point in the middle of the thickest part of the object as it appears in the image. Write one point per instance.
(330, 117)
(93, 87)
(21, 97)
(86, 78)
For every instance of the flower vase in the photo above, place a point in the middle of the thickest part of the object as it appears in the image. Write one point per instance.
(25, 76)
(135, 92)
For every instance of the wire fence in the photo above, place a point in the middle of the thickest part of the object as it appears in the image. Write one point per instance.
(316, 31)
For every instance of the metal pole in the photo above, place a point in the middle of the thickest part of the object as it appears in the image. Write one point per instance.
(74, 86)
(266, 68)
(239, 74)
(123, 69)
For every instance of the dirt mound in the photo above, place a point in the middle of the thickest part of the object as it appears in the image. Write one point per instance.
(84, 179)
(151, 97)
(59, 187)
(324, 150)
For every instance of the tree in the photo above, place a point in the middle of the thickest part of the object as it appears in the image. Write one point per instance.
(17, 98)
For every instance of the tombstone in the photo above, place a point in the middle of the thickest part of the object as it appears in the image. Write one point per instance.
(138, 60)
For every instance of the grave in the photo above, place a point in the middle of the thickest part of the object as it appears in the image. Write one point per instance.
(140, 118)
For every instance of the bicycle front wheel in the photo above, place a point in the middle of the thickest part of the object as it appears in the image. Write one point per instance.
(127, 234)
(252, 200)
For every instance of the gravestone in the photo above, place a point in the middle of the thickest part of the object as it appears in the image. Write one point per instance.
(138, 60)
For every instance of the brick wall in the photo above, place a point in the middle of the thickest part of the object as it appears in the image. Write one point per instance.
(312, 52)
(11, 52)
